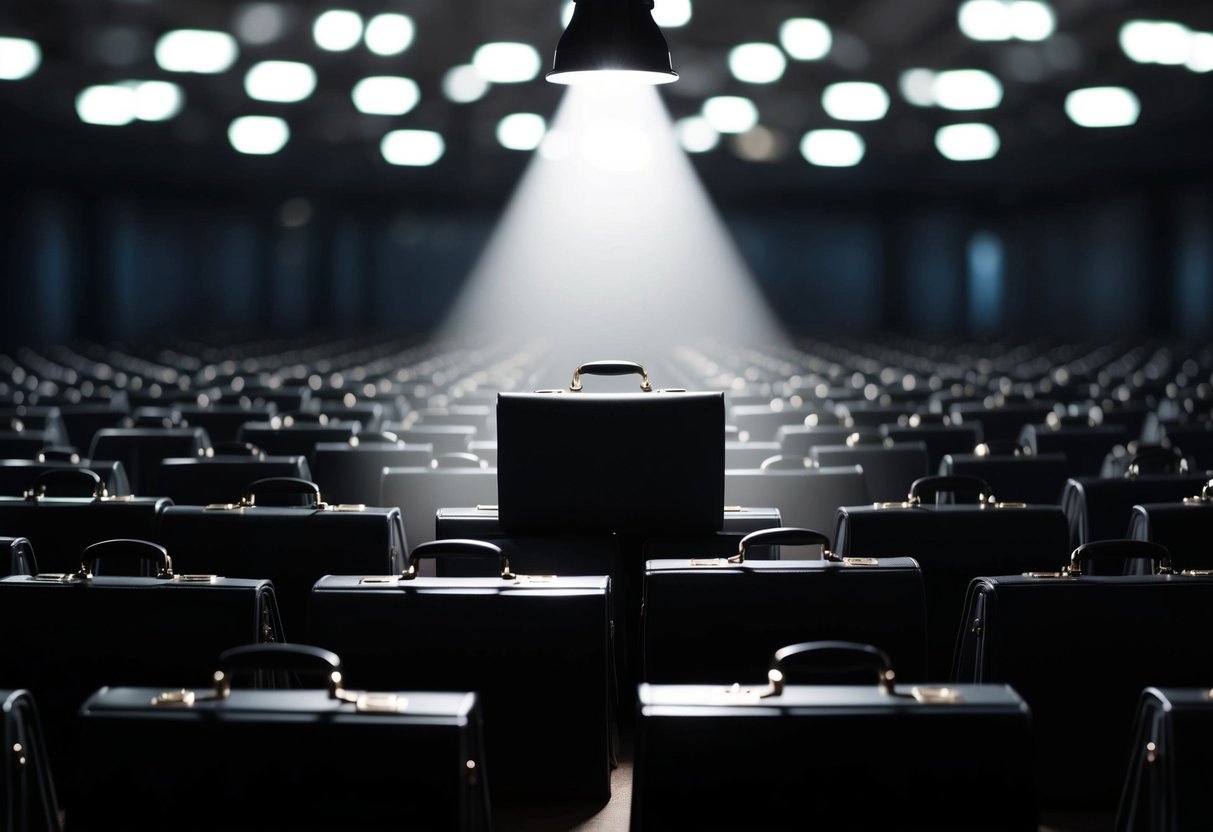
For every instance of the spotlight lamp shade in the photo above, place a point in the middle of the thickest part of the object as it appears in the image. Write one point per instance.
(615, 39)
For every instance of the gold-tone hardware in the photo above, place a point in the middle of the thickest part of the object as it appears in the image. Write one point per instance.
(907, 504)
(995, 505)
(223, 507)
(376, 580)
(347, 507)
(732, 509)
(975, 629)
(472, 774)
(175, 697)
(57, 577)
(575, 385)
(535, 579)
(714, 563)
(1151, 752)
(17, 748)
(859, 561)
(267, 625)
(886, 681)
(195, 579)
(936, 695)
(380, 703)
(775, 683)
(486, 508)
(1197, 573)
(1063, 574)
(114, 498)
(223, 685)
(1204, 498)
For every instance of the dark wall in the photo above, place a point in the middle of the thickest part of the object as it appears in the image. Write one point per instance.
(113, 266)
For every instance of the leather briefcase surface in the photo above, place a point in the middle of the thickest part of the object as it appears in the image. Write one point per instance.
(293, 547)
(1100, 509)
(1170, 757)
(838, 747)
(30, 803)
(708, 618)
(1080, 649)
(223, 478)
(17, 476)
(610, 462)
(1184, 527)
(69, 634)
(953, 544)
(20, 559)
(233, 758)
(537, 648)
(60, 528)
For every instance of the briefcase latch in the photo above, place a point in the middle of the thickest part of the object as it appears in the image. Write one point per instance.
(380, 703)
(716, 563)
(860, 562)
(936, 695)
(175, 697)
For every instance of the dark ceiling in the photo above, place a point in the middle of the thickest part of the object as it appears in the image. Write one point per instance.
(335, 148)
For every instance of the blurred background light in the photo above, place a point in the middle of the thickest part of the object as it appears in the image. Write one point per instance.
(696, 134)
(157, 100)
(671, 14)
(507, 63)
(260, 23)
(1103, 107)
(832, 148)
(967, 89)
(412, 148)
(107, 104)
(464, 84)
(280, 81)
(855, 101)
(1200, 58)
(1156, 42)
(521, 131)
(967, 142)
(918, 87)
(337, 30)
(566, 13)
(988, 20)
(730, 113)
(1032, 20)
(389, 34)
(758, 144)
(258, 135)
(196, 50)
(805, 38)
(757, 63)
(386, 95)
(19, 58)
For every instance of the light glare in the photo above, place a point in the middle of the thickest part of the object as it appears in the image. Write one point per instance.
(1201, 59)
(832, 148)
(464, 84)
(672, 13)
(19, 58)
(855, 101)
(284, 82)
(967, 142)
(757, 63)
(1157, 42)
(386, 95)
(1032, 20)
(805, 38)
(107, 104)
(967, 89)
(730, 113)
(258, 135)
(260, 23)
(696, 134)
(196, 50)
(157, 100)
(986, 20)
(566, 12)
(389, 34)
(521, 131)
(337, 30)
(918, 87)
(1103, 107)
(412, 148)
(507, 63)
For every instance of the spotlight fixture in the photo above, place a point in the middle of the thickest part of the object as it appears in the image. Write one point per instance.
(612, 39)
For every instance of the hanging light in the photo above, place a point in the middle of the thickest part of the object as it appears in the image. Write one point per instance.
(612, 40)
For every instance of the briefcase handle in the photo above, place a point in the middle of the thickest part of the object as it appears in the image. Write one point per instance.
(456, 547)
(279, 656)
(281, 485)
(610, 368)
(1120, 550)
(129, 549)
(65, 475)
(1156, 460)
(59, 453)
(783, 536)
(928, 487)
(830, 663)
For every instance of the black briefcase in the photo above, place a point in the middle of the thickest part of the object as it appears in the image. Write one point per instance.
(174, 757)
(1080, 649)
(17, 476)
(60, 528)
(352, 472)
(30, 803)
(1170, 757)
(1100, 509)
(953, 544)
(224, 477)
(830, 742)
(291, 546)
(569, 460)
(707, 618)
(68, 634)
(537, 648)
(1184, 527)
